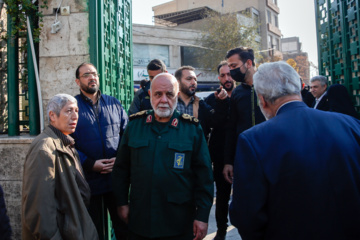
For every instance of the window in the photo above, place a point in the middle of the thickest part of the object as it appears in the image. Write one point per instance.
(144, 53)
(276, 21)
(192, 56)
(275, 2)
(278, 44)
(269, 16)
(257, 21)
(270, 39)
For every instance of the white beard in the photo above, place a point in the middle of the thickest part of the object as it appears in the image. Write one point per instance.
(164, 113)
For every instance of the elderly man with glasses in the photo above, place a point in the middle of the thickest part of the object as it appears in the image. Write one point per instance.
(102, 121)
(55, 192)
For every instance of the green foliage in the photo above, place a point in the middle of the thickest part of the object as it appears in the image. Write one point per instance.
(220, 33)
(19, 10)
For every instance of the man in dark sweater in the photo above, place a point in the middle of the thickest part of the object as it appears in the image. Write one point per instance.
(244, 110)
(217, 148)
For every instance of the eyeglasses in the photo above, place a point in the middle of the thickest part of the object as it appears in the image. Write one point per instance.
(88, 75)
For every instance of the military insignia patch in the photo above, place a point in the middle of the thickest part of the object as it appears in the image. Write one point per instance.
(189, 118)
(149, 119)
(174, 122)
(138, 114)
(179, 160)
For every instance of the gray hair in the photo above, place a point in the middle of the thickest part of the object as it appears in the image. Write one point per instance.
(57, 102)
(323, 80)
(275, 80)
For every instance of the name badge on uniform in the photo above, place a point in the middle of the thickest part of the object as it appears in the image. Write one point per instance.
(179, 160)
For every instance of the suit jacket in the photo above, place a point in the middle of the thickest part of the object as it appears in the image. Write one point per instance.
(323, 104)
(297, 176)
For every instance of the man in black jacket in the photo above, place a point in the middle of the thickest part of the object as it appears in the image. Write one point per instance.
(217, 149)
(244, 110)
(141, 99)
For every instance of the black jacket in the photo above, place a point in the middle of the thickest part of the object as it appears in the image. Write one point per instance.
(244, 113)
(218, 132)
(323, 104)
(340, 101)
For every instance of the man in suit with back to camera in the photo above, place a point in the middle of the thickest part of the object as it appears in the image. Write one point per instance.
(318, 86)
(290, 183)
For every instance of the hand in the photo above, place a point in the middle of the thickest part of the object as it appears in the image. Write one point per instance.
(200, 229)
(222, 94)
(104, 165)
(123, 212)
(228, 172)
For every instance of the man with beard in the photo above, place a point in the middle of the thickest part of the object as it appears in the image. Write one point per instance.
(164, 157)
(216, 148)
(192, 105)
(102, 121)
(244, 109)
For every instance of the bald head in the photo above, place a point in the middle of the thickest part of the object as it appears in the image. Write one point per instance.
(166, 77)
(163, 93)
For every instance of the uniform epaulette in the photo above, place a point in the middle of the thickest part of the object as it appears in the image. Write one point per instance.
(189, 118)
(137, 115)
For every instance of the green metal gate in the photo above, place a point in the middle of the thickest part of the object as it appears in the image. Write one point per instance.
(339, 44)
(111, 47)
(110, 28)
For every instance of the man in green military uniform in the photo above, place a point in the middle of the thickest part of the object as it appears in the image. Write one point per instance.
(164, 157)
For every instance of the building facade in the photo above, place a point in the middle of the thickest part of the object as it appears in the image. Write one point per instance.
(171, 45)
(291, 50)
(264, 12)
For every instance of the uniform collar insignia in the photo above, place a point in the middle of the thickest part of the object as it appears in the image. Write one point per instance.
(175, 122)
(149, 119)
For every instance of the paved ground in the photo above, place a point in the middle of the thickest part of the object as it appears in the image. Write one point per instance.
(232, 232)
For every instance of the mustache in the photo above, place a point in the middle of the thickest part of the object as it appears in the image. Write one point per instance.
(227, 82)
(163, 105)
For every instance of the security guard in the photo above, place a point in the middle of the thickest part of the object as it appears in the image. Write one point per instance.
(164, 157)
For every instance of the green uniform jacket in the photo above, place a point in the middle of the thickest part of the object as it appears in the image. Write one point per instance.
(169, 172)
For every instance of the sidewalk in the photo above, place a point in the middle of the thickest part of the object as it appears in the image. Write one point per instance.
(232, 231)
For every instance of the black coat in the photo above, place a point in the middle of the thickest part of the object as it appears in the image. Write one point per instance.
(218, 133)
(340, 101)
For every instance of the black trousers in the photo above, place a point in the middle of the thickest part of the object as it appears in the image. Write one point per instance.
(223, 191)
(97, 210)
(187, 236)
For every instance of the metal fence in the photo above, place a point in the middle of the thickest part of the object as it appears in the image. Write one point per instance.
(338, 43)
